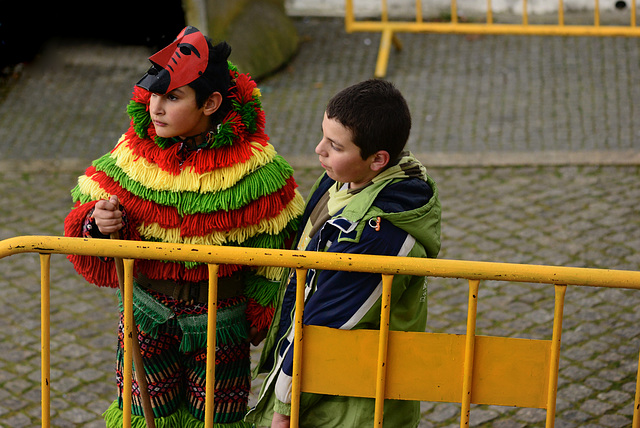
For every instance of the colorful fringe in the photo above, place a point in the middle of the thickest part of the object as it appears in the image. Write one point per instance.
(180, 419)
(236, 192)
(177, 377)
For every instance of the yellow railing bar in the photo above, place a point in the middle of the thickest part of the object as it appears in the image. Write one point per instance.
(561, 12)
(127, 301)
(301, 275)
(596, 13)
(419, 11)
(525, 13)
(45, 337)
(385, 11)
(633, 13)
(496, 29)
(383, 346)
(469, 353)
(556, 338)
(211, 344)
(508, 272)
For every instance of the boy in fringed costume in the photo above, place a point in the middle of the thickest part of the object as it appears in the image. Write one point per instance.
(195, 167)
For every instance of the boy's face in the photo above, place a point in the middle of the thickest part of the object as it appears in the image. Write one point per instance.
(176, 114)
(340, 157)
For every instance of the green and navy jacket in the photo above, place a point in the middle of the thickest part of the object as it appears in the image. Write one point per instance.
(405, 199)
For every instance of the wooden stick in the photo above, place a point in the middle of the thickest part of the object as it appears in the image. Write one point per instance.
(137, 355)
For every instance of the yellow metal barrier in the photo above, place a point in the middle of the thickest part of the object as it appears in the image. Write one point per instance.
(457, 368)
(389, 28)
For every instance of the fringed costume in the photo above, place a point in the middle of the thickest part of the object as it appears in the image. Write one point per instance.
(235, 190)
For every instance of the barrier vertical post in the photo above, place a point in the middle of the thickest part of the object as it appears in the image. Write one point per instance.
(45, 337)
(348, 16)
(636, 403)
(469, 351)
(560, 291)
(454, 12)
(211, 345)
(127, 381)
(301, 276)
(383, 346)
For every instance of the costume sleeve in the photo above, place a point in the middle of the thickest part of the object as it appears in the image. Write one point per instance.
(95, 270)
(342, 299)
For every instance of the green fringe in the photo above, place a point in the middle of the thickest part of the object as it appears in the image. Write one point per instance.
(181, 418)
(248, 113)
(225, 136)
(140, 117)
(231, 328)
(261, 289)
(263, 181)
(148, 312)
(76, 194)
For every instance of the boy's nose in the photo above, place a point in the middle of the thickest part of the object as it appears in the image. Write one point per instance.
(319, 149)
(155, 108)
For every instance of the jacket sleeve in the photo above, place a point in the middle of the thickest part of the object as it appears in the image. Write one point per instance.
(341, 299)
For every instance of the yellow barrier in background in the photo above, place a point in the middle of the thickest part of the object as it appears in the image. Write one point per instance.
(457, 368)
(389, 28)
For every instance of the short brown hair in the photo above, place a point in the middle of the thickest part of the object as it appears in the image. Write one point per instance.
(377, 115)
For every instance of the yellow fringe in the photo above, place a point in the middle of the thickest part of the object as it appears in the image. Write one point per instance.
(92, 188)
(152, 177)
(271, 226)
(273, 273)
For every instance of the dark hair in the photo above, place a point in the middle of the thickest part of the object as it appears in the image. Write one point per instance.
(377, 115)
(215, 79)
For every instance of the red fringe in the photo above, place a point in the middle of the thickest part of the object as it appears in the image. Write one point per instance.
(96, 271)
(141, 96)
(243, 88)
(259, 316)
(202, 161)
(178, 272)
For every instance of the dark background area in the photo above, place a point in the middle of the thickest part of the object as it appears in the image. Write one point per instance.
(26, 25)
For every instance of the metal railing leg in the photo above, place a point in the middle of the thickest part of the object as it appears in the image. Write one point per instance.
(554, 365)
(45, 337)
(301, 276)
(469, 352)
(211, 345)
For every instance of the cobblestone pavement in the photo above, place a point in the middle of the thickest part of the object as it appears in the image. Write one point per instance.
(531, 140)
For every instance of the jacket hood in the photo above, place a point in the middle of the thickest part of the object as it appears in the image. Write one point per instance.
(404, 195)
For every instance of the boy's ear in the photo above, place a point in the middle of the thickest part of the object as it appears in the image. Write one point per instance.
(213, 103)
(380, 160)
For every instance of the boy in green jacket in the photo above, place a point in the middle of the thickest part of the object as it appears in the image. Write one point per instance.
(373, 199)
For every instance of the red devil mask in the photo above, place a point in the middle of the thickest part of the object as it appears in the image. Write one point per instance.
(179, 64)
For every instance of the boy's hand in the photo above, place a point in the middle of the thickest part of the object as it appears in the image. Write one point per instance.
(108, 216)
(280, 421)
